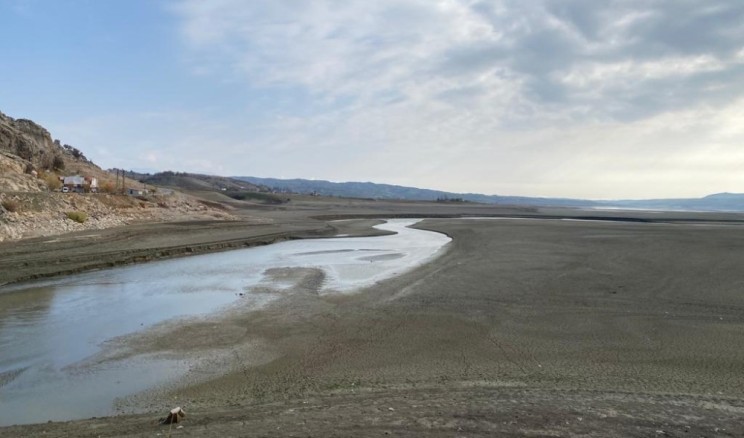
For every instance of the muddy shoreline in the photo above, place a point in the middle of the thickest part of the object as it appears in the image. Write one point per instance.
(73, 253)
(522, 328)
(100, 249)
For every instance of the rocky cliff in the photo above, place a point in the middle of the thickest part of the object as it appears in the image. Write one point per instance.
(27, 148)
(31, 204)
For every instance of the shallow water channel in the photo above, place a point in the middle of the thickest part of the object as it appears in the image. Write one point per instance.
(48, 328)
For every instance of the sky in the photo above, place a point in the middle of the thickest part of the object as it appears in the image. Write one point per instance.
(597, 99)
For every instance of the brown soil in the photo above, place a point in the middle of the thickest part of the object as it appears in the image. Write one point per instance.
(521, 328)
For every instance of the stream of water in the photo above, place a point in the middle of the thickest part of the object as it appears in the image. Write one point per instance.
(47, 327)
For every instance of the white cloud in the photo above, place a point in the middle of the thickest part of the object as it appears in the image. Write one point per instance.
(360, 49)
(367, 52)
(570, 98)
(627, 73)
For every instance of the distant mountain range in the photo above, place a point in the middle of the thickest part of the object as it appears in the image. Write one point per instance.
(716, 202)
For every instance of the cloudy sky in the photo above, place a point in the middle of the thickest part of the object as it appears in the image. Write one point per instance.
(575, 98)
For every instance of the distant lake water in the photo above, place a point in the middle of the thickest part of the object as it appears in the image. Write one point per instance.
(48, 327)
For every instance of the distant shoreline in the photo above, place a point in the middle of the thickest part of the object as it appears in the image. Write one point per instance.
(36, 258)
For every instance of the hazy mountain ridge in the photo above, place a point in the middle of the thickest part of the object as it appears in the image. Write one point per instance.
(388, 191)
(714, 202)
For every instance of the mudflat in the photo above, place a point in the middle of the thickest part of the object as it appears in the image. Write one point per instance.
(522, 327)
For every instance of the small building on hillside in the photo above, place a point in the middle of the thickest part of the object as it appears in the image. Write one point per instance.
(136, 192)
(80, 184)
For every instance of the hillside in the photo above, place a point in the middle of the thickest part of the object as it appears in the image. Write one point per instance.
(195, 181)
(24, 147)
(31, 164)
(29, 154)
(212, 187)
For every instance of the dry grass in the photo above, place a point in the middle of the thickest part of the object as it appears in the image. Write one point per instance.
(52, 181)
(108, 187)
(78, 216)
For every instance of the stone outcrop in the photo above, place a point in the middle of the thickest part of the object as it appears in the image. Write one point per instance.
(13, 177)
(29, 142)
(30, 164)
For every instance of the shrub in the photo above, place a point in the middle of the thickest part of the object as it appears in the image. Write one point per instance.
(52, 181)
(108, 187)
(11, 205)
(78, 216)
